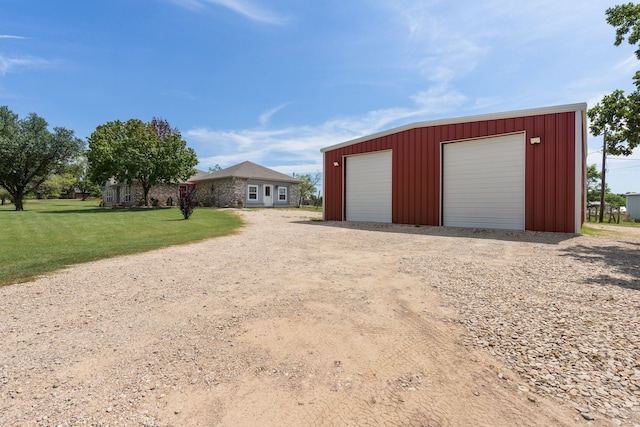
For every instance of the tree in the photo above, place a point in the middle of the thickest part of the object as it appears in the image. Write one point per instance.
(30, 153)
(615, 201)
(56, 186)
(215, 168)
(4, 195)
(79, 169)
(625, 18)
(593, 184)
(65, 183)
(613, 118)
(134, 151)
(620, 113)
(307, 187)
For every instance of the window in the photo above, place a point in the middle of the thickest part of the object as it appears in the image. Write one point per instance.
(282, 194)
(253, 192)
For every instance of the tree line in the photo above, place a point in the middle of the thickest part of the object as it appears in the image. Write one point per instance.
(33, 159)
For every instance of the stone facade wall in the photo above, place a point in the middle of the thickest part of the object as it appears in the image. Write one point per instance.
(122, 195)
(162, 193)
(232, 193)
(294, 195)
(222, 193)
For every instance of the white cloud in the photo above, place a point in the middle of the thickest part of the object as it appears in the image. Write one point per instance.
(438, 99)
(9, 64)
(484, 103)
(265, 117)
(291, 146)
(243, 7)
(7, 36)
(448, 55)
(297, 148)
(439, 50)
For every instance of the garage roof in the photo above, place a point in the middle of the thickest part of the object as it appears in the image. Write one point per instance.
(478, 118)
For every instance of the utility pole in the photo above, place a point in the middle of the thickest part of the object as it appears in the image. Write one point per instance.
(602, 183)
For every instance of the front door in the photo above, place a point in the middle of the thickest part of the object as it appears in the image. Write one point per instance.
(268, 195)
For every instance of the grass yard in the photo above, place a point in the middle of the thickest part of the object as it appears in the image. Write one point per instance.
(53, 234)
(625, 227)
(592, 231)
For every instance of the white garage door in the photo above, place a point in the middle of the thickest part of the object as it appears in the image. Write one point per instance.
(368, 187)
(483, 183)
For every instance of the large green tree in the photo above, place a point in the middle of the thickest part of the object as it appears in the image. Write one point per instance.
(134, 151)
(30, 153)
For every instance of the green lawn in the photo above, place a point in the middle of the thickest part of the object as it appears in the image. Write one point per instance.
(53, 234)
(593, 231)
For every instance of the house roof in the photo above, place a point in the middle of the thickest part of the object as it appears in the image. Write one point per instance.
(248, 170)
(200, 175)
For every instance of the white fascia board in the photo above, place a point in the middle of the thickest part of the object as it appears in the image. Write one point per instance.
(323, 183)
(493, 116)
(580, 161)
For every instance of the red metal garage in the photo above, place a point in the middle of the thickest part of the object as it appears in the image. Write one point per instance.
(515, 170)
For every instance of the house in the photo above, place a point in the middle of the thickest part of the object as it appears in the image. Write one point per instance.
(246, 185)
(633, 205)
(243, 185)
(521, 170)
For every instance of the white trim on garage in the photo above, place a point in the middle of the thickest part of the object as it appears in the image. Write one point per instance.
(324, 185)
(483, 182)
(368, 187)
(580, 185)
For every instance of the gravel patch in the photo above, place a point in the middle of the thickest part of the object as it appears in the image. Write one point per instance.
(299, 322)
(565, 317)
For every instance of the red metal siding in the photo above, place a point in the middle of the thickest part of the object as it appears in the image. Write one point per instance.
(549, 169)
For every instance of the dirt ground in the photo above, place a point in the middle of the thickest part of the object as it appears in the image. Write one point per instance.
(290, 322)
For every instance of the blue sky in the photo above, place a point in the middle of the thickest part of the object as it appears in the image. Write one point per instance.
(273, 81)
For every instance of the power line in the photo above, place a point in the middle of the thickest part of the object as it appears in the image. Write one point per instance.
(626, 167)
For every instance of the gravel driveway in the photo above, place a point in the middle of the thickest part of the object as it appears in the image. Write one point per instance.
(301, 322)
